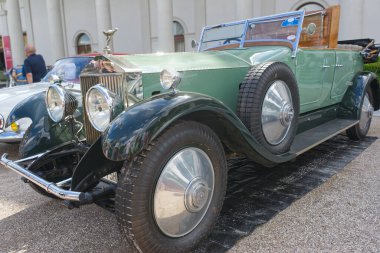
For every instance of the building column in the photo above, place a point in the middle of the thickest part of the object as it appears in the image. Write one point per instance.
(3, 22)
(54, 18)
(200, 17)
(351, 19)
(165, 25)
(257, 8)
(104, 22)
(268, 7)
(244, 9)
(29, 22)
(15, 32)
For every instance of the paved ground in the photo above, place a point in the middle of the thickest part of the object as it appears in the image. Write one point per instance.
(341, 215)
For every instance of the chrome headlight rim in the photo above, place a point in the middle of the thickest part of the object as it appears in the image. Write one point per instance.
(2, 122)
(109, 100)
(170, 79)
(61, 93)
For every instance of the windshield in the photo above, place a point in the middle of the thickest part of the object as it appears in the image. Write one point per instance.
(284, 27)
(222, 34)
(67, 69)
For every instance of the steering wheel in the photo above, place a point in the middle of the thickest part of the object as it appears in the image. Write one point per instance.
(228, 41)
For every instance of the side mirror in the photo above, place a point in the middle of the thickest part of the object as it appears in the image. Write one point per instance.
(194, 44)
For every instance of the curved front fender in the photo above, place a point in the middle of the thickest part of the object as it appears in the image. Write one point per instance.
(351, 103)
(135, 128)
(43, 133)
(32, 107)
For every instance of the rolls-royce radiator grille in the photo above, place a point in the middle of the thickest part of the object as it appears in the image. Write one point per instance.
(113, 82)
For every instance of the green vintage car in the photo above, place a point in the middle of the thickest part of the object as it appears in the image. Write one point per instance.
(156, 129)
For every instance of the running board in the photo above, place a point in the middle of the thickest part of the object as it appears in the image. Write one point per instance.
(315, 136)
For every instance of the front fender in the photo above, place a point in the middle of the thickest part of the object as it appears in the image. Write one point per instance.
(135, 128)
(43, 133)
(351, 103)
(32, 107)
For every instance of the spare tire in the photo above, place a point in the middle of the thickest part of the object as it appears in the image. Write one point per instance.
(268, 105)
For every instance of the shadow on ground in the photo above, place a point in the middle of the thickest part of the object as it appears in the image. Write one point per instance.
(256, 194)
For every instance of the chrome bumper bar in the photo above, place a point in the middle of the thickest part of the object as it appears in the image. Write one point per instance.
(47, 186)
(10, 137)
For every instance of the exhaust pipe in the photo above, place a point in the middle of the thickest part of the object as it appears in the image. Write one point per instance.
(82, 197)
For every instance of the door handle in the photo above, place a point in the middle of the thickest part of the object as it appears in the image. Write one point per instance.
(325, 66)
(339, 65)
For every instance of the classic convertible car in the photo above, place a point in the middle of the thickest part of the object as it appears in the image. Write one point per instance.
(66, 70)
(148, 135)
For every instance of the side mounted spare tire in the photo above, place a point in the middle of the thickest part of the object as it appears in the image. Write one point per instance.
(269, 105)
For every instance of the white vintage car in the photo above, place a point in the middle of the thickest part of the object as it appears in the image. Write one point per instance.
(66, 70)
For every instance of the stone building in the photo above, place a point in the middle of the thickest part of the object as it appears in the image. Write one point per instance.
(61, 28)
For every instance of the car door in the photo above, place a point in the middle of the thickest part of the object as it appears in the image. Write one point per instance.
(344, 72)
(315, 73)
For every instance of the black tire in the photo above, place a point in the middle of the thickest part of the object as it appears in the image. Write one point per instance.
(356, 132)
(251, 97)
(135, 192)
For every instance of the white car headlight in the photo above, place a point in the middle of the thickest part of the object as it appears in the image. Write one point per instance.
(101, 105)
(2, 123)
(169, 79)
(60, 103)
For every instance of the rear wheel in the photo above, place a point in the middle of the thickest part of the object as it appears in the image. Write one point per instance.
(169, 197)
(360, 130)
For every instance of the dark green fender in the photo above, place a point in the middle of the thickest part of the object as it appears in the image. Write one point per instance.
(43, 133)
(135, 128)
(351, 103)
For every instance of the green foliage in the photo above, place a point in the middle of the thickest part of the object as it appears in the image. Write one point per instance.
(373, 67)
(3, 77)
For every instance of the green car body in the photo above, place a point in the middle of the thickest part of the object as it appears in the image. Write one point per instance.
(128, 105)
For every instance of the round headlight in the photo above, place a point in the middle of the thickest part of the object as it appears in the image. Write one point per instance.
(55, 102)
(1, 122)
(60, 103)
(169, 79)
(99, 107)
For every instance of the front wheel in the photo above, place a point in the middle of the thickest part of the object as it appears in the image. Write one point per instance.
(170, 195)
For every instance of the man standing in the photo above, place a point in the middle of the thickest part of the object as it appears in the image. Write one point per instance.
(34, 65)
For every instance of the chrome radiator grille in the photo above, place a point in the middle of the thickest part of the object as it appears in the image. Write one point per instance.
(113, 82)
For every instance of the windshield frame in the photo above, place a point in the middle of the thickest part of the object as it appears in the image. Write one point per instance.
(46, 78)
(294, 44)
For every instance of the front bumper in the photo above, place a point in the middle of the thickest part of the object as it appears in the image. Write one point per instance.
(11, 137)
(53, 188)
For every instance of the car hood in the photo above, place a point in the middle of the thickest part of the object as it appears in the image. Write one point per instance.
(232, 58)
(10, 97)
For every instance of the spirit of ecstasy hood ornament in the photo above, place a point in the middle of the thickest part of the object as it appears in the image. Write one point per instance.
(109, 34)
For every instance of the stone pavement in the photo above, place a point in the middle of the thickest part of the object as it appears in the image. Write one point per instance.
(328, 200)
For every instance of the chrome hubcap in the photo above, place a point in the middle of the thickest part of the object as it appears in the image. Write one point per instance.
(196, 195)
(277, 112)
(366, 113)
(183, 192)
(287, 114)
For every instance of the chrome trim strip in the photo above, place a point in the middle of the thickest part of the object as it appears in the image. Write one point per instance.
(64, 182)
(31, 157)
(47, 186)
